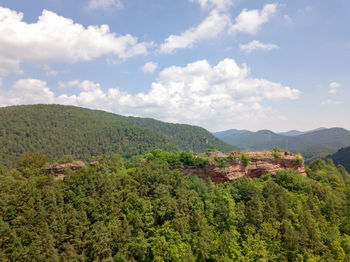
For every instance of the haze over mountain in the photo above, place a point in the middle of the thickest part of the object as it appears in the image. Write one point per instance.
(310, 143)
(56, 130)
(297, 132)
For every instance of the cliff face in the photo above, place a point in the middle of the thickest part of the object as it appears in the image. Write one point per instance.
(260, 163)
(59, 169)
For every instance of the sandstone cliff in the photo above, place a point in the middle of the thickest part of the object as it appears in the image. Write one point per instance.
(59, 169)
(254, 164)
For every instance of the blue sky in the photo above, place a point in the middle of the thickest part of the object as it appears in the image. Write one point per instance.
(219, 64)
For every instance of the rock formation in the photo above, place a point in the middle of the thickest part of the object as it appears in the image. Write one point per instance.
(59, 169)
(259, 163)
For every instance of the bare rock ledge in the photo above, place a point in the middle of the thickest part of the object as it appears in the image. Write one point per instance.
(260, 163)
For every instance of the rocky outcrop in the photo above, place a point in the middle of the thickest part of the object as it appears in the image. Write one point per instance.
(59, 169)
(259, 163)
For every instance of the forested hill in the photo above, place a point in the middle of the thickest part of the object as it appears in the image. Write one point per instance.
(342, 157)
(310, 143)
(57, 130)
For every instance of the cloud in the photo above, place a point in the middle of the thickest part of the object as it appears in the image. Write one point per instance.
(8, 66)
(250, 21)
(198, 93)
(331, 102)
(56, 39)
(210, 27)
(104, 4)
(334, 85)
(255, 45)
(149, 67)
(71, 83)
(27, 91)
(217, 23)
(216, 4)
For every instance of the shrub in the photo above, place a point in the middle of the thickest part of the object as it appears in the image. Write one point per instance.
(232, 156)
(220, 161)
(299, 160)
(31, 160)
(244, 158)
(276, 154)
(277, 149)
(200, 162)
(66, 159)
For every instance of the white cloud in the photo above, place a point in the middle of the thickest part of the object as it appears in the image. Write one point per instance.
(198, 93)
(9, 65)
(48, 70)
(217, 23)
(217, 4)
(334, 85)
(104, 4)
(331, 102)
(250, 21)
(149, 67)
(56, 39)
(255, 44)
(71, 83)
(27, 91)
(211, 27)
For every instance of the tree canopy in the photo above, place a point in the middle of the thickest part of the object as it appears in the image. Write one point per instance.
(145, 210)
(57, 130)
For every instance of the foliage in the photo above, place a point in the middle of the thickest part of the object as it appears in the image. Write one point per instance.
(244, 158)
(299, 159)
(342, 157)
(220, 161)
(276, 149)
(66, 159)
(57, 130)
(276, 152)
(31, 160)
(146, 210)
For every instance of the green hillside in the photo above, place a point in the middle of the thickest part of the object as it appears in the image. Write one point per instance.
(342, 157)
(57, 130)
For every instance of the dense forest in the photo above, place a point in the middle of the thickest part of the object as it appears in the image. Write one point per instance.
(57, 130)
(342, 157)
(144, 209)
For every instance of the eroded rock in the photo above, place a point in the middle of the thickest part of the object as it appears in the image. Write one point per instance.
(260, 163)
(59, 169)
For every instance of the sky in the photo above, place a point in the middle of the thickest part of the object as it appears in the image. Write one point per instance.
(219, 64)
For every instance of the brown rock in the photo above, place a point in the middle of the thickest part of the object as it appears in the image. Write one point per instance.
(58, 170)
(263, 162)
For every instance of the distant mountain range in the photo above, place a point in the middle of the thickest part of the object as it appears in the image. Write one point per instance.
(57, 130)
(297, 132)
(318, 142)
